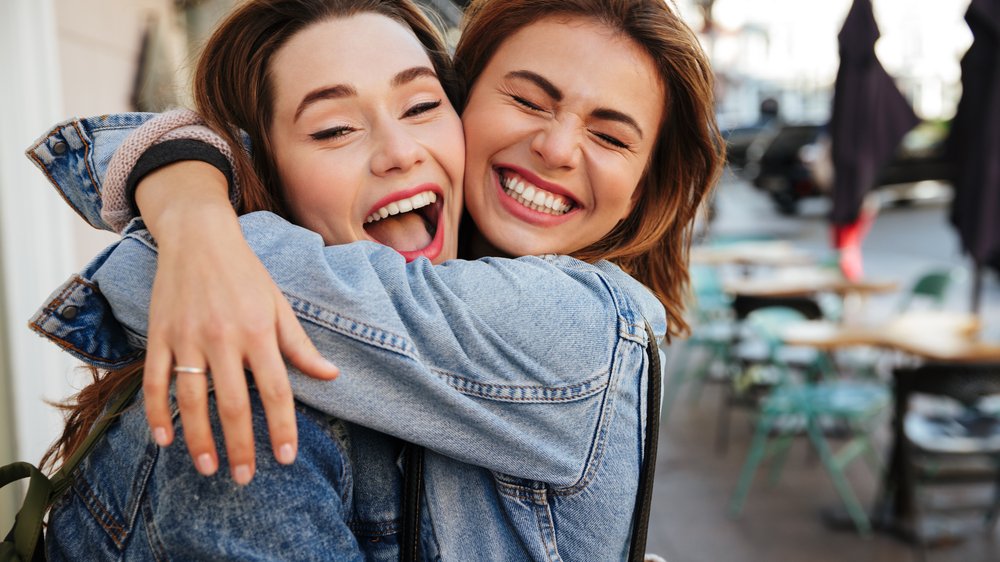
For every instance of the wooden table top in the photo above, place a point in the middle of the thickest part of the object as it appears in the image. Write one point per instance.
(769, 253)
(800, 282)
(932, 335)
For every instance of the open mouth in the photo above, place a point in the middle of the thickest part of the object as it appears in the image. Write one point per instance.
(532, 196)
(409, 222)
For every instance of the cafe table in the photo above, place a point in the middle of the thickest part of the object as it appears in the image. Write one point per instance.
(934, 336)
(772, 253)
(804, 282)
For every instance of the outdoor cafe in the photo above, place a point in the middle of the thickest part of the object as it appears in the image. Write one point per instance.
(901, 387)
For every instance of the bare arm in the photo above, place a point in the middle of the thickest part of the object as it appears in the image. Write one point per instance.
(214, 306)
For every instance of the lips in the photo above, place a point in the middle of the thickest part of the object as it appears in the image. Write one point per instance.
(410, 222)
(531, 199)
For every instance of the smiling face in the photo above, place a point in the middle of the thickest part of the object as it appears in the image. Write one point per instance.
(366, 143)
(559, 126)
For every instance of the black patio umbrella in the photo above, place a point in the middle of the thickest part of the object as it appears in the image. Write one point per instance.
(974, 143)
(870, 115)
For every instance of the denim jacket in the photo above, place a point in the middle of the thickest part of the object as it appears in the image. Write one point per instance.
(524, 378)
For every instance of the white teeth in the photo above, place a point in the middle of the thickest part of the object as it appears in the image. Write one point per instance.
(533, 197)
(403, 206)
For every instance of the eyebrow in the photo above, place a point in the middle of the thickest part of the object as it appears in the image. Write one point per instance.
(340, 91)
(555, 93)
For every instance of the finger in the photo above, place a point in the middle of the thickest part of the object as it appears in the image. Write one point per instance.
(275, 392)
(192, 402)
(299, 349)
(232, 400)
(156, 390)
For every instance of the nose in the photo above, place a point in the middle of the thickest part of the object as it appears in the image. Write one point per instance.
(396, 150)
(558, 144)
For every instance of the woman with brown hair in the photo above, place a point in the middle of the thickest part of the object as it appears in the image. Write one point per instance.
(590, 159)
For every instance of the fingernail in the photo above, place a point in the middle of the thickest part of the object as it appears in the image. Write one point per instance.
(206, 465)
(241, 474)
(160, 436)
(286, 454)
(331, 366)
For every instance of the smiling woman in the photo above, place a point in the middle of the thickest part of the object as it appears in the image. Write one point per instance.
(563, 170)
(365, 127)
(531, 435)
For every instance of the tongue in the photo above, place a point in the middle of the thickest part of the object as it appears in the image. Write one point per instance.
(405, 232)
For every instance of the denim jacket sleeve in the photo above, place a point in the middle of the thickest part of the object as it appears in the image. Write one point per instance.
(75, 154)
(508, 364)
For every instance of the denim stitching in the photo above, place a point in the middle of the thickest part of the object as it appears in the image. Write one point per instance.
(517, 491)
(152, 531)
(526, 393)
(114, 529)
(87, 157)
(45, 170)
(546, 530)
(345, 325)
(603, 428)
(373, 528)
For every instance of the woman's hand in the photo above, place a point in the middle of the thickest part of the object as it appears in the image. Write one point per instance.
(215, 307)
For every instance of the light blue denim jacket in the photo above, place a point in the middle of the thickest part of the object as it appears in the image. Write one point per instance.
(525, 379)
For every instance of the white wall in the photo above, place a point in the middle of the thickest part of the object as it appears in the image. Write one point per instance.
(98, 50)
(34, 234)
(58, 58)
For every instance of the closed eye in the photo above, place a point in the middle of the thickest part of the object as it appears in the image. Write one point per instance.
(422, 108)
(332, 133)
(608, 139)
(525, 103)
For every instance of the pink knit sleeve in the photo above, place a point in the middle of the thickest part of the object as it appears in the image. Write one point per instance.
(175, 124)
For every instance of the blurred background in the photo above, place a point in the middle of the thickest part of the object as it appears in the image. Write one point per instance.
(776, 62)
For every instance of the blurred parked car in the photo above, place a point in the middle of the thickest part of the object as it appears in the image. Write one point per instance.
(738, 140)
(784, 162)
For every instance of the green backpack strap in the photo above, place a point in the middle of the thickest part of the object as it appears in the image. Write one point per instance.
(24, 542)
(62, 479)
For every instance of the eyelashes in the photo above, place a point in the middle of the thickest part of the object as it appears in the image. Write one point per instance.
(332, 133)
(602, 137)
(422, 108)
(341, 131)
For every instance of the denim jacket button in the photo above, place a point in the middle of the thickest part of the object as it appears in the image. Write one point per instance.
(69, 312)
(59, 147)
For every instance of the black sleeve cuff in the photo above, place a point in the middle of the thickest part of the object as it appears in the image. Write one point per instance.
(171, 151)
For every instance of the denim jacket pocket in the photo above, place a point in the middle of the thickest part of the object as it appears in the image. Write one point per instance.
(107, 491)
(530, 501)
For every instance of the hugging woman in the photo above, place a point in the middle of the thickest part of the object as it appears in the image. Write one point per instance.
(525, 378)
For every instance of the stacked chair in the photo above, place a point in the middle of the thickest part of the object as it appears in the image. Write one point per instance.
(949, 448)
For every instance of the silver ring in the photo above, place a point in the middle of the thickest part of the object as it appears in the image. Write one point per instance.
(191, 370)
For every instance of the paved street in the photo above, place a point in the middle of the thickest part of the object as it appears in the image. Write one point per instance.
(782, 523)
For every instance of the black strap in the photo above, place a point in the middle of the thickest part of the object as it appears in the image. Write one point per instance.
(644, 495)
(413, 491)
(414, 478)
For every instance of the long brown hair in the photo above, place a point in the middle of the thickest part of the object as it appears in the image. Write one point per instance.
(233, 93)
(653, 243)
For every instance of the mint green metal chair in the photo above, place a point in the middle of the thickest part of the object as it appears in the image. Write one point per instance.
(931, 287)
(711, 334)
(808, 407)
